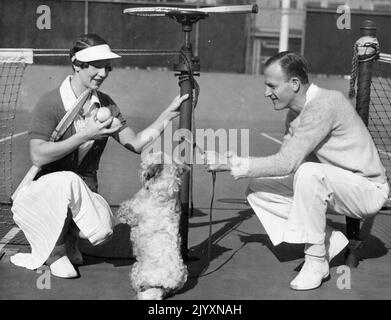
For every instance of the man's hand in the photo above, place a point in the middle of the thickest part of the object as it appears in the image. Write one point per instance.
(214, 161)
(240, 167)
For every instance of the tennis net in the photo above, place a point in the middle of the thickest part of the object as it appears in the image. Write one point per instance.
(379, 120)
(12, 65)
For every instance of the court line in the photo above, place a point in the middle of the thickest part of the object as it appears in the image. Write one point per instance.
(8, 237)
(14, 136)
(270, 137)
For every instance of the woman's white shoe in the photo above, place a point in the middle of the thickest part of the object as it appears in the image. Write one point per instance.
(63, 268)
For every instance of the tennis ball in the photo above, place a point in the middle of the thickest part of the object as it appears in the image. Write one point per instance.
(103, 114)
(115, 123)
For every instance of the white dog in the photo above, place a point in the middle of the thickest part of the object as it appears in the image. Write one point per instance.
(153, 214)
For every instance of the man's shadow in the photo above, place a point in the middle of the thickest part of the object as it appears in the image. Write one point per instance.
(283, 252)
(371, 247)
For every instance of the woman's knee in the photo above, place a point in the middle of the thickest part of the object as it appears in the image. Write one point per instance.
(102, 236)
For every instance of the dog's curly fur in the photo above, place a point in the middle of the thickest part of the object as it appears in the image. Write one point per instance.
(153, 214)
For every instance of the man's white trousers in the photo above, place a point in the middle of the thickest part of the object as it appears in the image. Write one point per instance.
(294, 209)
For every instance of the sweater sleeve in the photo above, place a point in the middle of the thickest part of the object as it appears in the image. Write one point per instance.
(44, 118)
(315, 123)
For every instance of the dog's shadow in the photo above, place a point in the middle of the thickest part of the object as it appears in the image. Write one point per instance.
(199, 257)
(117, 251)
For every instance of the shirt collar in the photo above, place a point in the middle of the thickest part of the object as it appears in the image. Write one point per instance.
(68, 96)
(311, 93)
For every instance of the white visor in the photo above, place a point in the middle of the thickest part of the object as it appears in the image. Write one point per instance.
(100, 52)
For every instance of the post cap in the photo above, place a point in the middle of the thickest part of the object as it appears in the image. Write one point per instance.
(368, 28)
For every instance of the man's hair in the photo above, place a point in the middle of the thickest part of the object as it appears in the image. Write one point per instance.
(292, 64)
(83, 42)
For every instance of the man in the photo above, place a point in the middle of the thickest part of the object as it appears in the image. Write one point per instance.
(346, 177)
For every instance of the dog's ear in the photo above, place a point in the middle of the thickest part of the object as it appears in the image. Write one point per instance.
(151, 165)
(149, 172)
(181, 166)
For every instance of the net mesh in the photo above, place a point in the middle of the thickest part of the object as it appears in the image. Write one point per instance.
(379, 120)
(12, 67)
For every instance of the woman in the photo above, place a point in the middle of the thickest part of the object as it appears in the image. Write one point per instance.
(63, 201)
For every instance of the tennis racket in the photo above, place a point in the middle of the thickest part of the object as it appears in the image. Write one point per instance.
(62, 126)
(163, 11)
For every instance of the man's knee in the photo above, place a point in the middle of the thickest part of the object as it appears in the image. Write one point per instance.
(258, 186)
(250, 192)
(307, 174)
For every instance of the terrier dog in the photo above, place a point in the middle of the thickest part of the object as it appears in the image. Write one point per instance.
(153, 214)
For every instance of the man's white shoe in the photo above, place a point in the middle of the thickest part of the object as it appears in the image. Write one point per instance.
(311, 275)
(335, 242)
(63, 268)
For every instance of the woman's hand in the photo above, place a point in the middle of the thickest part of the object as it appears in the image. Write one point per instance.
(173, 109)
(95, 130)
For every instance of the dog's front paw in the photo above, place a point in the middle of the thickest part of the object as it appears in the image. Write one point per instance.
(151, 294)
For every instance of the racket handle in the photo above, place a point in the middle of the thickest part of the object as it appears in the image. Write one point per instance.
(28, 178)
(231, 9)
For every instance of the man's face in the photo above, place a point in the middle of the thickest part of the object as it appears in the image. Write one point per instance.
(278, 88)
(93, 76)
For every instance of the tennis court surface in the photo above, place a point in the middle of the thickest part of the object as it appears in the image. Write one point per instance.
(244, 264)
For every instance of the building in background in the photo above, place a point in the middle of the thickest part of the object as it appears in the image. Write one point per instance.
(226, 43)
(266, 25)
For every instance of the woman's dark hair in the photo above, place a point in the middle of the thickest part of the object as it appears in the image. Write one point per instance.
(83, 42)
(292, 64)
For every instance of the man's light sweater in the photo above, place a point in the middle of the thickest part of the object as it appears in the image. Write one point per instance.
(329, 127)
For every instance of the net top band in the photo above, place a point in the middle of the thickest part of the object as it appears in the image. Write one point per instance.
(15, 55)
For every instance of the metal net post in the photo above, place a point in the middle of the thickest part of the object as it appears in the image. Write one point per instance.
(366, 50)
